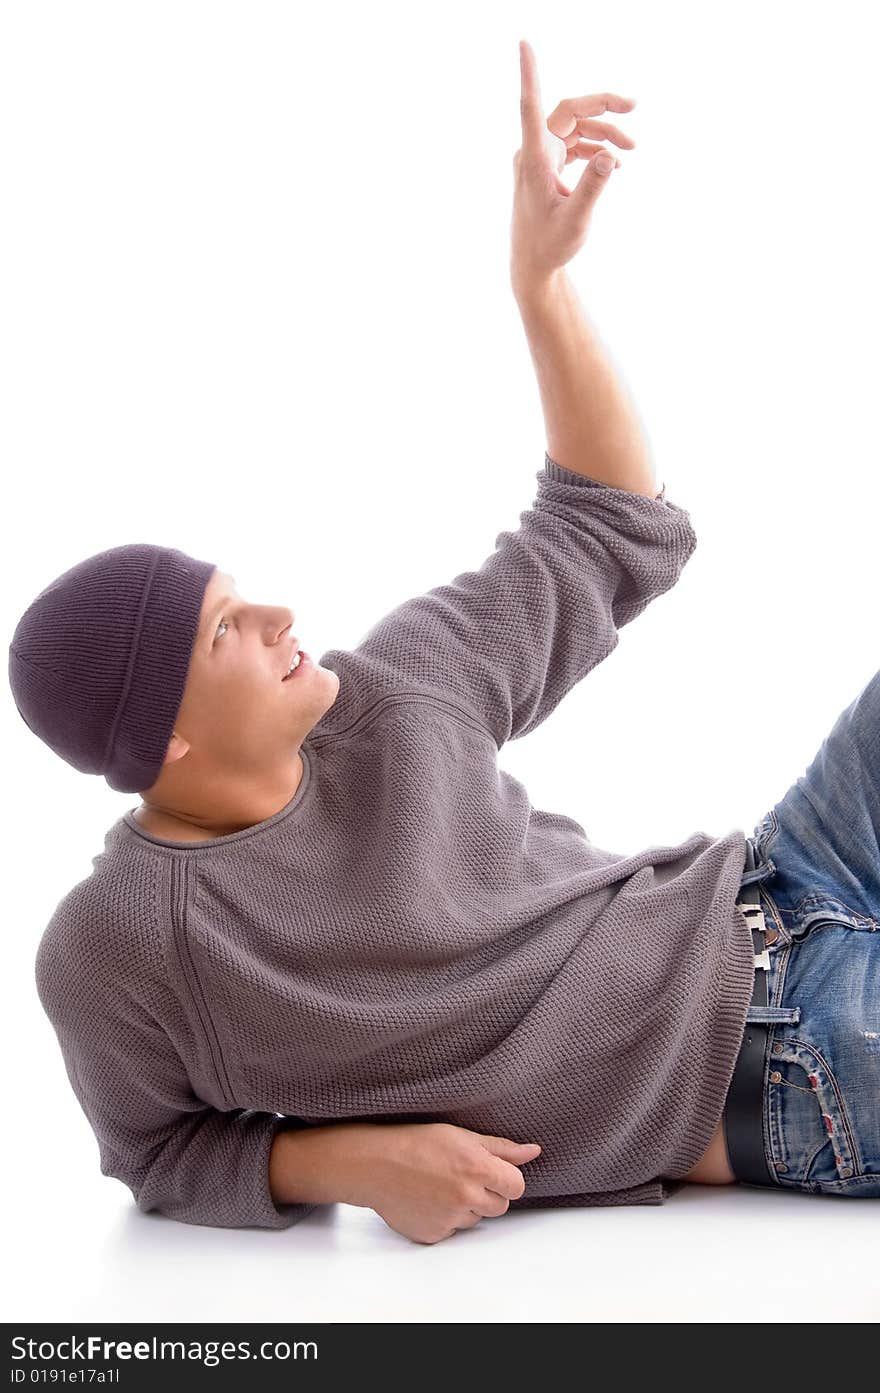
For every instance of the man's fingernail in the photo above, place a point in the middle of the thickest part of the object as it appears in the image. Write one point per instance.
(603, 163)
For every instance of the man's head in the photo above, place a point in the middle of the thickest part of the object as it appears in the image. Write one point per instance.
(143, 664)
(233, 757)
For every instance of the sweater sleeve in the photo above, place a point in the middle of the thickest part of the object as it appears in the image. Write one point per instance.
(509, 640)
(177, 1154)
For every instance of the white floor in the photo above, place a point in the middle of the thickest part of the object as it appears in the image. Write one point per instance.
(708, 1254)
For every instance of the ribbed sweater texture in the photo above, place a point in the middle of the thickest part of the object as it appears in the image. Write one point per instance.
(408, 939)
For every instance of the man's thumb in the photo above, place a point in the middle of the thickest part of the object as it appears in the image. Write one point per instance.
(593, 180)
(591, 183)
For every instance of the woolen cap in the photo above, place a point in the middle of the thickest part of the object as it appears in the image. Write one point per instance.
(98, 662)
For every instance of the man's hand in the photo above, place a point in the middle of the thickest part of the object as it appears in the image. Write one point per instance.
(428, 1179)
(550, 221)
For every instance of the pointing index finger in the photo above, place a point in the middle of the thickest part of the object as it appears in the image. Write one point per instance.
(530, 99)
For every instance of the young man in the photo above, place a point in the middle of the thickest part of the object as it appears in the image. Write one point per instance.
(335, 954)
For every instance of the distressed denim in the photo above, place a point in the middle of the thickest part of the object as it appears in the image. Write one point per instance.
(817, 864)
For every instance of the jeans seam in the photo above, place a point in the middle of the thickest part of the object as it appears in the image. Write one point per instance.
(843, 1114)
(773, 1141)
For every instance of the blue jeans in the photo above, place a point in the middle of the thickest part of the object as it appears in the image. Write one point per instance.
(818, 868)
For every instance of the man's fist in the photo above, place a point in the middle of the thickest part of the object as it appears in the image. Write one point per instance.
(428, 1179)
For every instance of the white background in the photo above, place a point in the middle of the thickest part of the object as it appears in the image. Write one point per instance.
(256, 306)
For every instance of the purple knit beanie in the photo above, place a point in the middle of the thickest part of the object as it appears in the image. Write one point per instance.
(98, 662)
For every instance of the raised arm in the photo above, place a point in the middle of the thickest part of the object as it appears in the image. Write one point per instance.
(507, 640)
(591, 426)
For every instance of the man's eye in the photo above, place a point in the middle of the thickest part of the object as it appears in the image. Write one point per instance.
(222, 623)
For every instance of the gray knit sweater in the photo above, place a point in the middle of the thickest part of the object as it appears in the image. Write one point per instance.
(409, 939)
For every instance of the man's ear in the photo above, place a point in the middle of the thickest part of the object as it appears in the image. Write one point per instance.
(177, 747)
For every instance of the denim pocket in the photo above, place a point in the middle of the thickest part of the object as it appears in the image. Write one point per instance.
(818, 911)
(811, 1139)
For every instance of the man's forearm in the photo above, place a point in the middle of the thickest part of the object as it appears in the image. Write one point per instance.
(591, 425)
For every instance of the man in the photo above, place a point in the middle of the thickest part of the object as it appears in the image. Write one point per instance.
(335, 954)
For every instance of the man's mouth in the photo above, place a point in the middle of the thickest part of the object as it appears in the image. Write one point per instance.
(301, 659)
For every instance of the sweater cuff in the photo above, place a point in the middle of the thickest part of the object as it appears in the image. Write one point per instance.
(560, 475)
(270, 1214)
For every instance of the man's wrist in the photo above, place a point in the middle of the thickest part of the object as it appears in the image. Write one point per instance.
(530, 286)
(327, 1164)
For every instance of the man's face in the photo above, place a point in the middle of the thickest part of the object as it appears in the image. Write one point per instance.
(237, 714)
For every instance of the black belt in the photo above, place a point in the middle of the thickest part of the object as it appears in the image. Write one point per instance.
(744, 1109)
